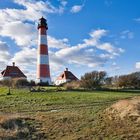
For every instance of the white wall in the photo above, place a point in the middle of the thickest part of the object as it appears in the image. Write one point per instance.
(59, 82)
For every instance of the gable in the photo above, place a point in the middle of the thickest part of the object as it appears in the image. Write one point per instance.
(12, 71)
(67, 75)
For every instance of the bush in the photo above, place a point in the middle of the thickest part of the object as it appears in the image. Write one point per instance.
(17, 83)
(72, 85)
(129, 81)
(6, 82)
(32, 83)
(43, 84)
(93, 80)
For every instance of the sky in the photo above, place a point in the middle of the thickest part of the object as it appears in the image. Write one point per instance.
(83, 35)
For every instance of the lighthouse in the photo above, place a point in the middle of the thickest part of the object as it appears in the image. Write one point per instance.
(43, 69)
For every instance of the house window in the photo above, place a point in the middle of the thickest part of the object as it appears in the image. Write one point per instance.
(13, 73)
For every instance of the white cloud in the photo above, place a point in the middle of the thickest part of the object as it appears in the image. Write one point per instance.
(64, 2)
(137, 65)
(18, 23)
(22, 33)
(95, 37)
(85, 54)
(126, 34)
(25, 57)
(98, 33)
(76, 8)
(108, 47)
(41, 6)
(4, 54)
(29, 13)
(57, 43)
(137, 20)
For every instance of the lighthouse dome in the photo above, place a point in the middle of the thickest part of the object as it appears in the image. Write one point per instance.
(42, 23)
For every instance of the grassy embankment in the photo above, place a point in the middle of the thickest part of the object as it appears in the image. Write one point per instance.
(65, 115)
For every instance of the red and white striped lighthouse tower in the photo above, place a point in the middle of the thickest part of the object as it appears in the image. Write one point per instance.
(43, 69)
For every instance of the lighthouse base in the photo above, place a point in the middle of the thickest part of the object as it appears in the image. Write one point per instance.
(44, 80)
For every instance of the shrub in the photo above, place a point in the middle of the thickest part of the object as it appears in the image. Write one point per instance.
(129, 81)
(6, 82)
(32, 83)
(93, 80)
(43, 84)
(72, 85)
(14, 83)
(17, 83)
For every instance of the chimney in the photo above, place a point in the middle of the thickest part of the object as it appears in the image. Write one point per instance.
(66, 69)
(13, 64)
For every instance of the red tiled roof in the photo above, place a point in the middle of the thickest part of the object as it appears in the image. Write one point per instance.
(67, 75)
(13, 72)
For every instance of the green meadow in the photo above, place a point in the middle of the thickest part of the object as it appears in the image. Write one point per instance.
(67, 115)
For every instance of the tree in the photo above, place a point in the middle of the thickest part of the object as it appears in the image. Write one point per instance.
(108, 81)
(124, 81)
(93, 80)
(128, 81)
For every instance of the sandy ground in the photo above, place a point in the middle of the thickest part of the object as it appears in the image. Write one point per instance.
(129, 108)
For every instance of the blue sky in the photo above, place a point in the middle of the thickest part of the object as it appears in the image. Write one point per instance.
(83, 35)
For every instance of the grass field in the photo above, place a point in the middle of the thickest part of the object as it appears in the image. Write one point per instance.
(65, 115)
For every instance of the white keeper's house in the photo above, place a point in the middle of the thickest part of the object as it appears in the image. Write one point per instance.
(65, 77)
